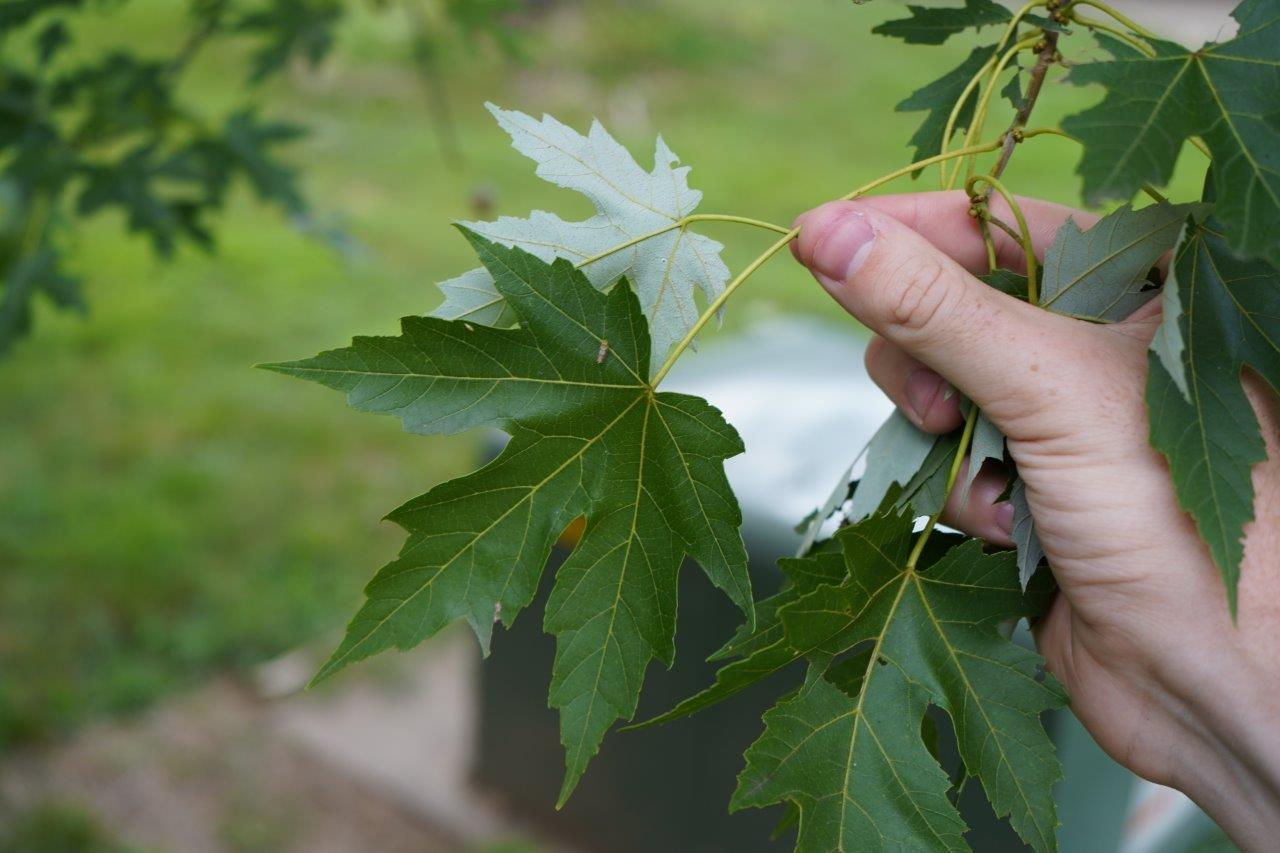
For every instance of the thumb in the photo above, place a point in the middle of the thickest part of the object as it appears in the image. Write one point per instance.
(896, 282)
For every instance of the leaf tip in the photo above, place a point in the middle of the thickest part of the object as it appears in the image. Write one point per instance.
(570, 783)
(327, 669)
(479, 243)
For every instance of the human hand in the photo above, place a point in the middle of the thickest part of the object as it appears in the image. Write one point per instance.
(1140, 634)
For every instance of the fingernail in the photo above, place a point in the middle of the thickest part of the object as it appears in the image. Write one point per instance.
(1004, 518)
(922, 389)
(841, 251)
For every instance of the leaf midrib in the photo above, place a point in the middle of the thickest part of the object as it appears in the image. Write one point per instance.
(599, 173)
(1120, 161)
(693, 487)
(622, 574)
(433, 376)
(868, 674)
(336, 663)
(575, 321)
(1098, 265)
(964, 677)
(1227, 118)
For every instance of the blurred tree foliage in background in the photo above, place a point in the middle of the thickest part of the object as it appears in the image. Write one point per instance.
(84, 131)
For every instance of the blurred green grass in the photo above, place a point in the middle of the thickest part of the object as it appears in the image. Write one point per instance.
(170, 511)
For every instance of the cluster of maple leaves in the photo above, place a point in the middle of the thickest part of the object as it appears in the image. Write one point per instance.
(554, 340)
(86, 128)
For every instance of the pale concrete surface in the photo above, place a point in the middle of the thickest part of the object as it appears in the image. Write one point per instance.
(208, 773)
(411, 734)
(379, 759)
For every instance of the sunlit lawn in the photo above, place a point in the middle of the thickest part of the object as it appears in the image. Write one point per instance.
(168, 510)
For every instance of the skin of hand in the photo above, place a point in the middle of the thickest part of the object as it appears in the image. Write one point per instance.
(1140, 633)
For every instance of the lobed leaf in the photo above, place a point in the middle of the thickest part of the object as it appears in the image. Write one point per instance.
(589, 438)
(847, 749)
(1231, 320)
(1224, 92)
(936, 24)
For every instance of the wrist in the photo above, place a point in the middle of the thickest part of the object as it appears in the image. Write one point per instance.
(1229, 762)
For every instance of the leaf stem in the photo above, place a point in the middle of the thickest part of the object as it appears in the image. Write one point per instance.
(1048, 56)
(1003, 226)
(1028, 249)
(1012, 26)
(954, 117)
(1047, 131)
(1117, 16)
(787, 237)
(920, 164)
(1134, 42)
(719, 301)
(1154, 194)
(993, 79)
(681, 223)
(741, 220)
(962, 448)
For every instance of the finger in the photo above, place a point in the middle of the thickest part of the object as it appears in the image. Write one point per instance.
(995, 349)
(982, 514)
(922, 395)
(943, 219)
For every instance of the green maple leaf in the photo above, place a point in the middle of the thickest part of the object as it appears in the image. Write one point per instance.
(1226, 93)
(847, 747)
(1230, 320)
(1101, 274)
(590, 437)
(857, 778)
(934, 25)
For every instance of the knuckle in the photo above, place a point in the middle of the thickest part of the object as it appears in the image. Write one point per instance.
(922, 295)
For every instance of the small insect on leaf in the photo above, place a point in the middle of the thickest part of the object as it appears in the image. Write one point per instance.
(603, 352)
